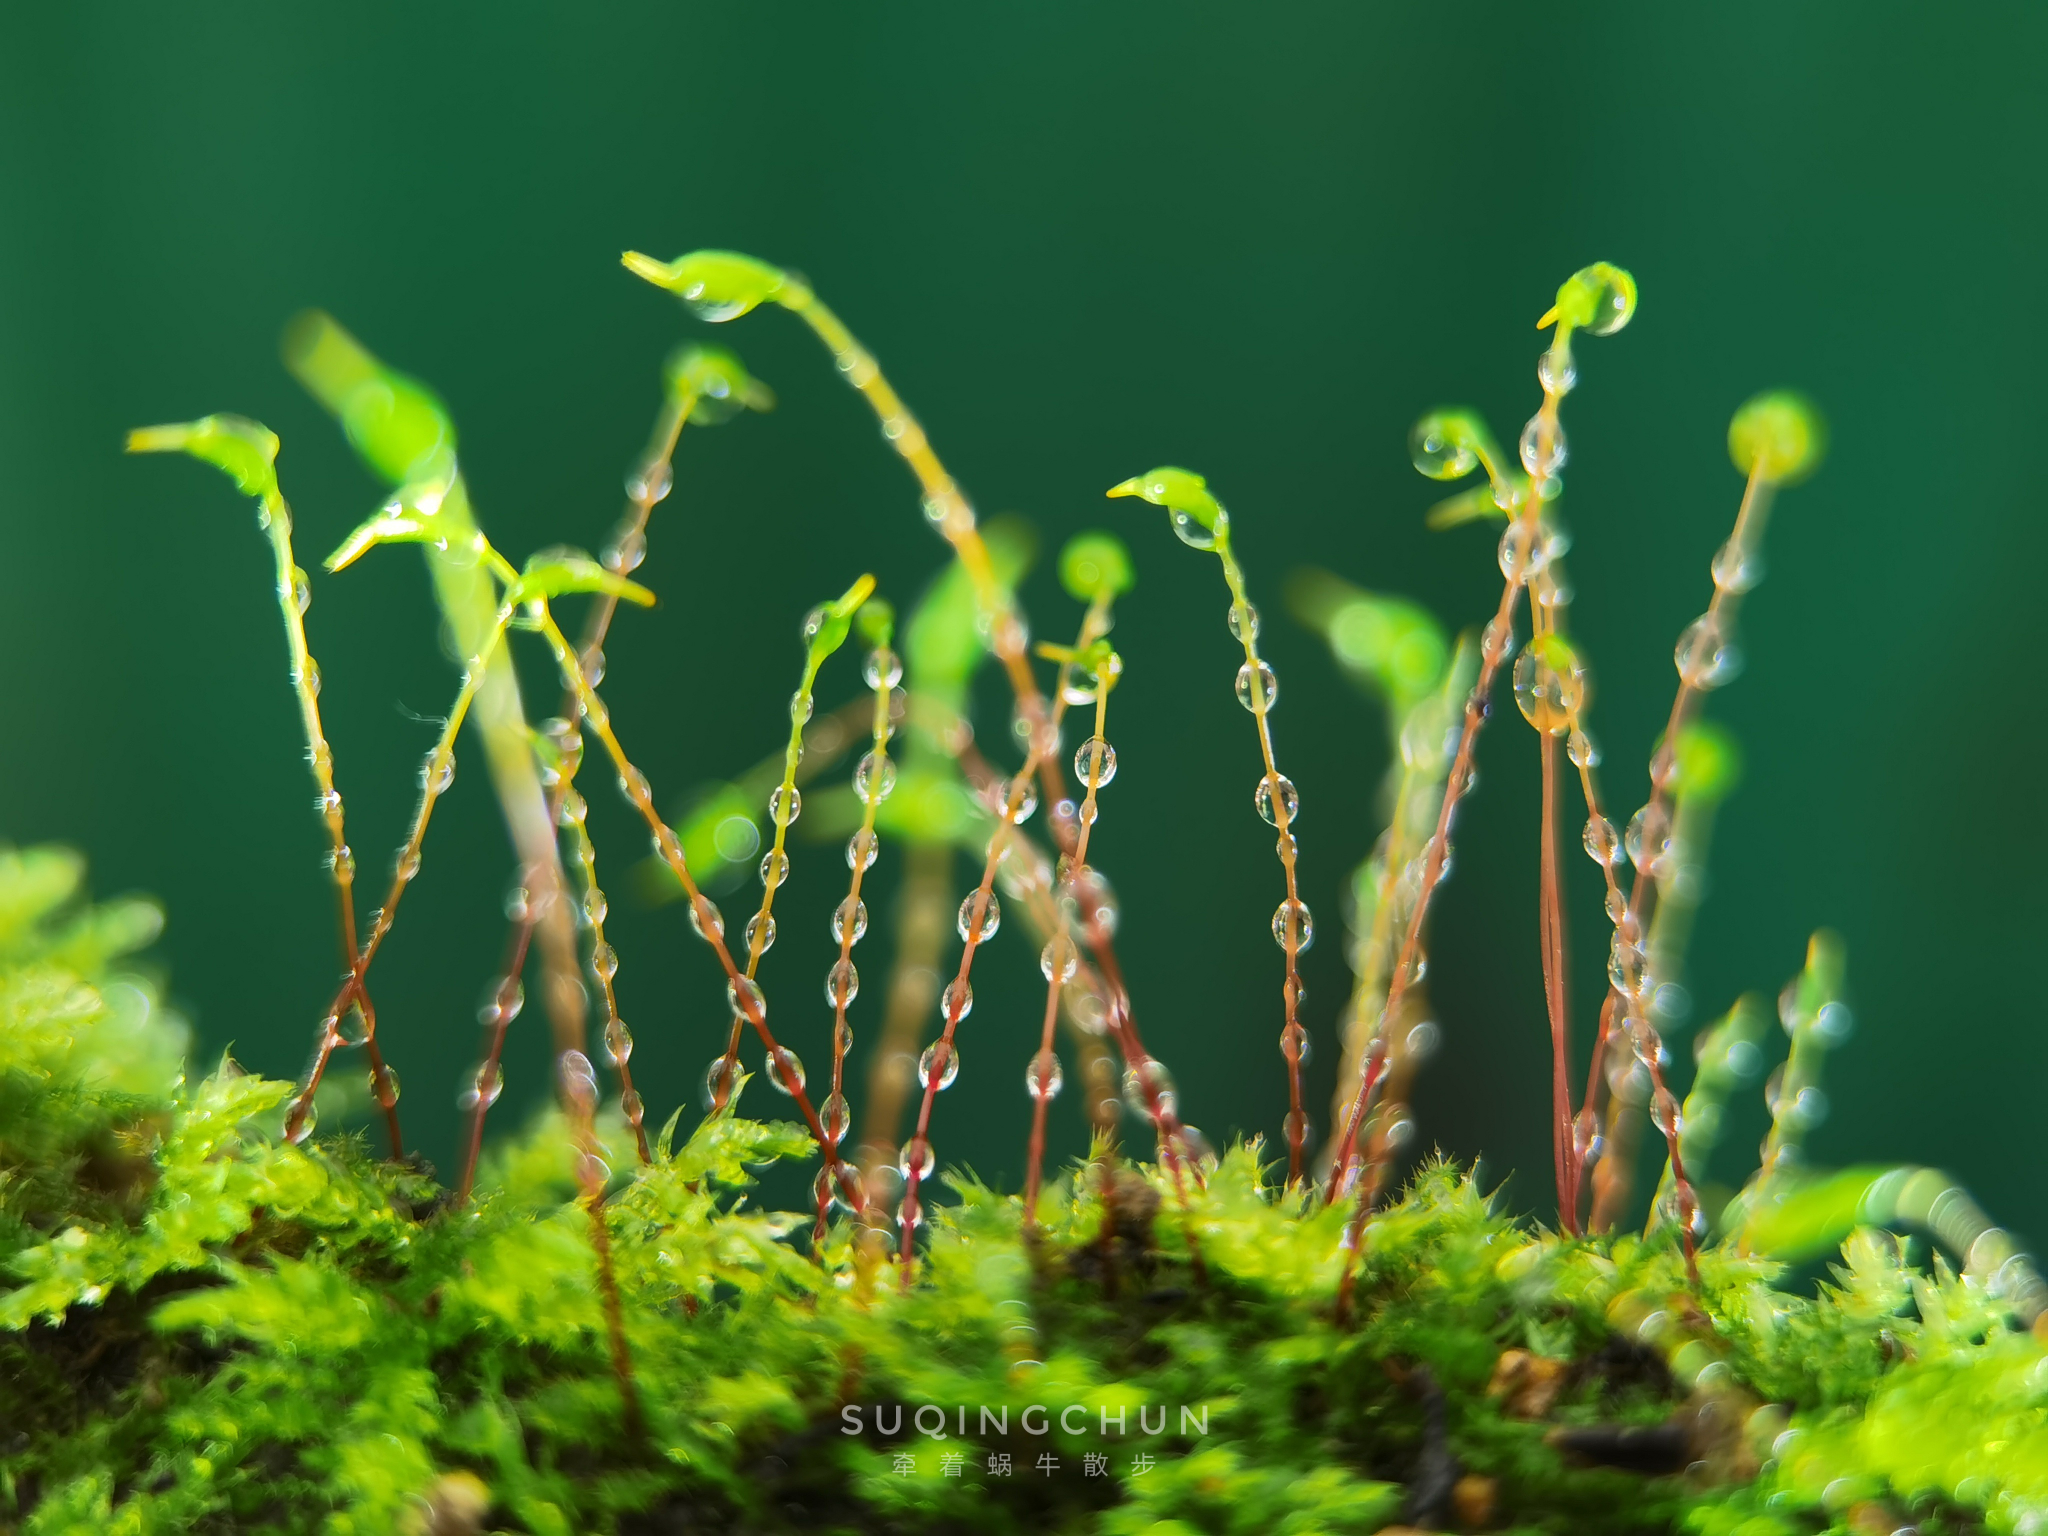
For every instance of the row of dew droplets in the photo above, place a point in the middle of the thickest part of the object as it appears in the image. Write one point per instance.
(1447, 446)
(702, 385)
(246, 451)
(874, 778)
(824, 631)
(1775, 439)
(1199, 520)
(1094, 568)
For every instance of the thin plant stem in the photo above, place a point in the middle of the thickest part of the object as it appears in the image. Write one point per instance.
(604, 965)
(745, 996)
(872, 782)
(1556, 995)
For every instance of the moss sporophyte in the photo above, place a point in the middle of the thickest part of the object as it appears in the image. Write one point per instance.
(218, 1316)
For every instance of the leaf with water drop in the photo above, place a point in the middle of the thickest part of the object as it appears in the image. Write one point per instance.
(717, 285)
(716, 383)
(1183, 493)
(555, 573)
(244, 450)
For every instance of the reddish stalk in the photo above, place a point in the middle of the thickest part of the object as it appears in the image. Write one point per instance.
(1551, 924)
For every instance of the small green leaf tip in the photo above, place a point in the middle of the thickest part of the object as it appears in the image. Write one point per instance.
(1598, 300)
(716, 383)
(1096, 564)
(408, 518)
(825, 626)
(558, 572)
(397, 424)
(716, 285)
(1709, 763)
(245, 450)
(1778, 436)
(1197, 517)
(877, 621)
(1450, 444)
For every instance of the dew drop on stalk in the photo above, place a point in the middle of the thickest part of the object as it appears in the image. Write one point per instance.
(1737, 568)
(850, 917)
(774, 868)
(1257, 687)
(916, 1159)
(1015, 798)
(439, 773)
(785, 1072)
(938, 1066)
(1627, 967)
(842, 983)
(1294, 1044)
(1143, 1086)
(883, 669)
(1044, 1077)
(578, 1079)
(591, 663)
(1298, 1128)
(485, 1083)
(1587, 1140)
(309, 1115)
(957, 1001)
(1243, 620)
(861, 849)
(1542, 447)
(624, 555)
(595, 907)
(604, 960)
(1602, 846)
(874, 778)
(1705, 658)
(1665, 1114)
(991, 917)
(785, 804)
(706, 920)
(720, 1081)
(1095, 762)
(668, 847)
(837, 1117)
(1617, 906)
(1522, 553)
(1556, 373)
(349, 1030)
(1293, 921)
(1059, 960)
(342, 861)
(745, 998)
(842, 1037)
(1191, 531)
(1289, 799)
(1088, 1009)
(760, 934)
(1579, 747)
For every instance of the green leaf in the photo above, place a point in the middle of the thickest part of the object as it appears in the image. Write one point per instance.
(397, 424)
(557, 572)
(244, 450)
(716, 285)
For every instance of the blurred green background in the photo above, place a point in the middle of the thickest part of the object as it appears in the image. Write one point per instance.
(1084, 239)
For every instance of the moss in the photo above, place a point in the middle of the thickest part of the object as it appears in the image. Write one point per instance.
(208, 1328)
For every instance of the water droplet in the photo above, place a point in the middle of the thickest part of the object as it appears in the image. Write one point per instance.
(1294, 1044)
(1580, 748)
(850, 917)
(1548, 696)
(861, 849)
(1497, 639)
(1600, 842)
(1617, 904)
(1257, 687)
(1088, 1009)
(1628, 967)
(874, 778)
(668, 847)
(349, 1030)
(842, 1037)
(618, 1042)
(1586, 1138)
(991, 917)
(1299, 1130)
(836, 1115)
(938, 1066)
(1058, 960)
(957, 1001)
(774, 868)
(595, 907)
(785, 804)
(1737, 568)
(625, 553)
(604, 960)
(634, 786)
(746, 1000)
(1015, 798)
(1095, 762)
(1190, 531)
(573, 810)
(591, 664)
(883, 669)
(1290, 799)
(309, 1116)
(785, 1072)
(1648, 841)
(578, 1079)
(307, 677)
(1704, 656)
(1439, 454)
(801, 703)
(342, 862)
(706, 920)
(760, 933)
(1142, 1088)
(1523, 553)
(1293, 921)
(1665, 1113)
(1044, 1078)
(720, 1081)
(1542, 447)
(1243, 620)
(842, 983)
(1556, 372)
(486, 1082)
(917, 1159)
